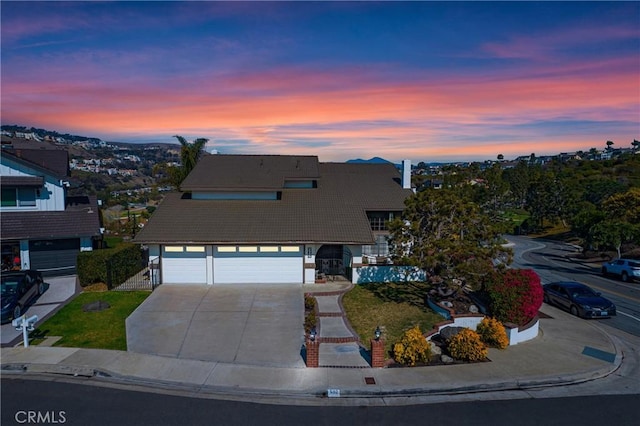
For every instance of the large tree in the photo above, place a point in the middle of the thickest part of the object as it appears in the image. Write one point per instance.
(448, 236)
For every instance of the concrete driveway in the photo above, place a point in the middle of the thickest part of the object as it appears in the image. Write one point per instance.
(258, 324)
(60, 290)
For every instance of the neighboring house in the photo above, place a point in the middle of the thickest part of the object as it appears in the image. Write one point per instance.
(274, 219)
(40, 225)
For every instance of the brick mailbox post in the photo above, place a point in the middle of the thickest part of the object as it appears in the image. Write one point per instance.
(377, 353)
(313, 352)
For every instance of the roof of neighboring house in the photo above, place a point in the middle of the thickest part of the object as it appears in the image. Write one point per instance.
(51, 160)
(249, 172)
(81, 218)
(36, 181)
(334, 212)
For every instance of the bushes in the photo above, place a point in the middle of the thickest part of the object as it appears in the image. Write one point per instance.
(110, 266)
(467, 346)
(492, 333)
(412, 348)
(310, 319)
(516, 295)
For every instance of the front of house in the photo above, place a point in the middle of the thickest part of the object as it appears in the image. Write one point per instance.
(42, 227)
(274, 219)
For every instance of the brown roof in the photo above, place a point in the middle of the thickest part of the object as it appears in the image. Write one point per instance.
(52, 160)
(79, 219)
(249, 172)
(334, 212)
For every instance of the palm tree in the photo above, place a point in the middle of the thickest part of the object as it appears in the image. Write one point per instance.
(609, 143)
(190, 153)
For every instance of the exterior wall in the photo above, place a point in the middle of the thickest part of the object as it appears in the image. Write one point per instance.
(385, 273)
(522, 334)
(24, 254)
(209, 251)
(310, 251)
(50, 198)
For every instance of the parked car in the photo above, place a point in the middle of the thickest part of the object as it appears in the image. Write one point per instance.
(578, 299)
(626, 269)
(18, 290)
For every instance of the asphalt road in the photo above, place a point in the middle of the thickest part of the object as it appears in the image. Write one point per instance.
(78, 404)
(549, 260)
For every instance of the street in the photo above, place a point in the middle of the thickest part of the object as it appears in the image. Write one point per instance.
(548, 259)
(56, 402)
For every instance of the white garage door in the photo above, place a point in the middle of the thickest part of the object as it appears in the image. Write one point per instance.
(258, 264)
(184, 264)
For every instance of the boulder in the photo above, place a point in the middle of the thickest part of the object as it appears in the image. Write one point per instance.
(448, 332)
(473, 309)
(446, 359)
(435, 349)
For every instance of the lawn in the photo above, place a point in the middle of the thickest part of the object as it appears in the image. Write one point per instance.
(395, 307)
(99, 330)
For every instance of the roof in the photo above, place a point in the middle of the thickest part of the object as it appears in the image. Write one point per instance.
(334, 212)
(249, 172)
(36, 181)
(51, 160)
(80, 219)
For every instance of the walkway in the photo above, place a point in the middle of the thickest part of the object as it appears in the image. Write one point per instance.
(339, 345)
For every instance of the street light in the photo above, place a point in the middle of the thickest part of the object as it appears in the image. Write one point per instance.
(378, 333)
(312, 334)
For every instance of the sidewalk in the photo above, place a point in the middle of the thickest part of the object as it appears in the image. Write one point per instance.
(567, 350)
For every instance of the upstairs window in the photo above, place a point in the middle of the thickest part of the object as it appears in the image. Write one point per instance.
(18, 197)
(378, 220)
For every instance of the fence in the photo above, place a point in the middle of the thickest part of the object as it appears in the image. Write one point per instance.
(144, 279)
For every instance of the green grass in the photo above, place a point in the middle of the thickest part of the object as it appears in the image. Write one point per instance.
(394, 307)
(99, 330)
(113, 242)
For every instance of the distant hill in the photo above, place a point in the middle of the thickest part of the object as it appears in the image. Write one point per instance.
(374, 160)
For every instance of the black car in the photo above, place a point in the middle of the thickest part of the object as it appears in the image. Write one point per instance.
(18, 289)
(578, 299)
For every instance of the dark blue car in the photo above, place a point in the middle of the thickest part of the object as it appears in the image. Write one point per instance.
(578, 299)
(19, 289)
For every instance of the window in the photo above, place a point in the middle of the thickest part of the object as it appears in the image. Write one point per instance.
(227, 249)
(9, 197)
(248, 249)
(268, 249)
(195, 249)
(174, 249)
(380, 248)
(379, 220)
(18, 197)
(290, 249)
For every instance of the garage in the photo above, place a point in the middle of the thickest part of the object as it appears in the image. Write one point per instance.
(258, 264)
(54, 257)
(184, 264)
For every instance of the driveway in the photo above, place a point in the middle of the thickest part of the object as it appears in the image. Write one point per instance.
(59, 291)
(258, 324)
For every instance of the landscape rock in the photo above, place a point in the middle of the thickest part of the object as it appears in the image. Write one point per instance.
(473, 309)
(448, 332)
(435, 349)
(446, 359)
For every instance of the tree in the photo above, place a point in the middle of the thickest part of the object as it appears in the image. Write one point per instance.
(448, 236)
(500, 157)
(636, 145)
(609, 143)
(615, 233)
(190, 153)
(516, 296)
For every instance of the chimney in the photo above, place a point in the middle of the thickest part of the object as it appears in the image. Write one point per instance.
(406, 174)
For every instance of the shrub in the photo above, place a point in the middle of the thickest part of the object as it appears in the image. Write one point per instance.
(492, 333)
(309, 303)
(516, 295)
(110, 266)
(310, 321)
(467, 346)
(412, 348)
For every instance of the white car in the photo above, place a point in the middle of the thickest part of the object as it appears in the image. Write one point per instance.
(626, 269)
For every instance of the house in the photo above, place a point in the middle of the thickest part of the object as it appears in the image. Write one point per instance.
(40, 225)
(273, 219)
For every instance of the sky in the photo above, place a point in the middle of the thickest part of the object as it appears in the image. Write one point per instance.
(426, 81)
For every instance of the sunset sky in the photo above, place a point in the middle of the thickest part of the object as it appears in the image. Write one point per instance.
(428, 81)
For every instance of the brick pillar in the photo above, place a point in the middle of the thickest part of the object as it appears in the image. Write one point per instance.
(377, 353)
(313, 353)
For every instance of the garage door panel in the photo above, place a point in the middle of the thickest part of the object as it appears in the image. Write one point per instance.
(184, 267)
(258, 270)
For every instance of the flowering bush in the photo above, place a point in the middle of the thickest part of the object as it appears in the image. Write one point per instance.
(492, 333)
(467, 346)
(516, 295)
(412, 348)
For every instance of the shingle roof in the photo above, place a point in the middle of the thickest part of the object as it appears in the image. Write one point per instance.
(53, 161)
(80, 219)
(249, 172)
(334, 212)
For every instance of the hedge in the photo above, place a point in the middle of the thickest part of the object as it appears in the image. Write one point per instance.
(109, 266)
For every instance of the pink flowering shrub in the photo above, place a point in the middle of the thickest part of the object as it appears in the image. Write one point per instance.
(516, 295)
